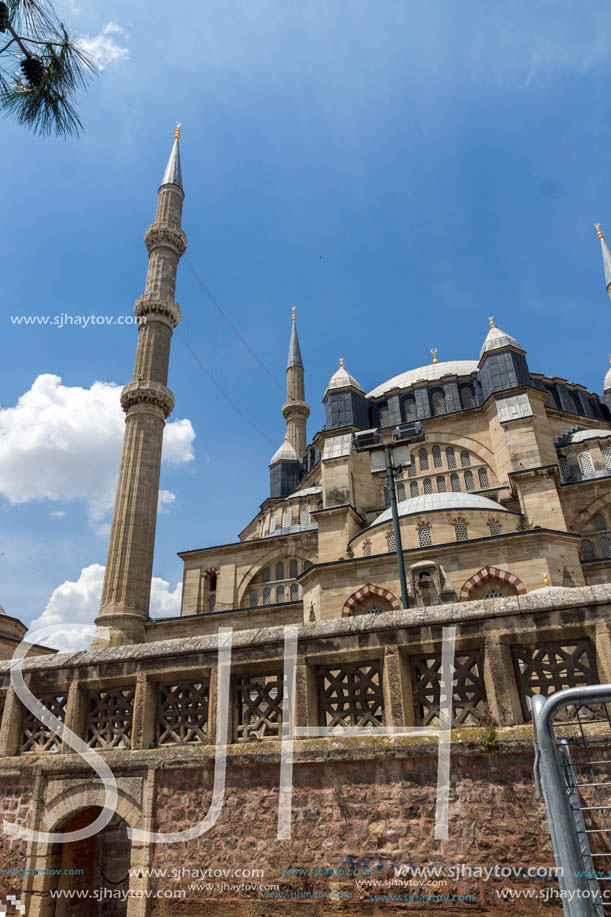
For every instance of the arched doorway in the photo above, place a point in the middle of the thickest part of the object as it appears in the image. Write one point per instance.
(93, 874)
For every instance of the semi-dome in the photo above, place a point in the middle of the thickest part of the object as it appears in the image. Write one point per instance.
(495, 339)
(431, 503)
(429, 373)
(286, 453)
(342, 379)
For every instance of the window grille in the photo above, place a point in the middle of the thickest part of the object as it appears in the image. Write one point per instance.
(450, 457)
(294, 592)
(465, 458)
(483, 478)
(424, 536)
(563, 464)
(293, 568)
(467, 397)
(258, 707)
(469, 704)
(267, 596)
(441, 485)
(304, 514)
(265, 575)
(599, 522)
(438, 402)
(412, 471)
(182, 714)
(400, 492)
(273, 523)
(460, 531)
(494, 594)
(469, 481)
(423, 459)
(413, 489)
(287, 517)
(35, 736)
(587, 549)
(109, 718)
(367, 548)
(427, 486)
(551, 667)
(391, 542)
(212, 601)
(606, 453)
(455, 482)
(605, 546)
(280, 594)
(409, 408)
(437, 463)
(351, 695)
(585, 462)
(495, 528)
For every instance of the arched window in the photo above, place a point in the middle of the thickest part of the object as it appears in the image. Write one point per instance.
(280, 570)
(386, 495)
(254, 598)
(267, 596)
(495, 528)
(455, 482)
(423, 458)
(424, 535)
(293, 568)
(467, 398)
(391, 544)
(438, 402)
(280, 594)
(367, 548)
(287, 517)
(599, 522)
(563, 464)
(412, 471)
(294, 592)
(437, 463)
(587, 549)
(427, 486)
(383, 415)
(606, 452)
(469, 482)
(605, 546)
(552, 400)
(265, 575)
(273, 523)
(441, 485)
(576, 401)
(400, 492)
(304, 514)
(413, 489)
(460, 531)
(465, 458)
(585, 463)
(409, 408)
(450, 458)
(483, 478)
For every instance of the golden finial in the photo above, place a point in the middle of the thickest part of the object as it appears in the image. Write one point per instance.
(434, 352)
(599, 231)
(286, 437)
(491, 320)
(293, 313)
(341, 362)
(545, 579)
(177, 134)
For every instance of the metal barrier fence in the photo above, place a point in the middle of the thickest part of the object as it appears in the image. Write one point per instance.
(573, 774)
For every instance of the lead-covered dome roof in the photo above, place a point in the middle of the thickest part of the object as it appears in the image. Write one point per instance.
(431, 503)
(429, 373)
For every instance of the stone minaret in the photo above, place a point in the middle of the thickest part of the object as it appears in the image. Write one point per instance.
(147, 402)
(296, 410)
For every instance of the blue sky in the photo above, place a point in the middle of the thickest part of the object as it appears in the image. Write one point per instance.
(398, 171)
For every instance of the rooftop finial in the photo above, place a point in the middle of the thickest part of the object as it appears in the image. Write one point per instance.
(341, 362)
(177, 134)
(491, 320)
(599, 231)
(545, 579)
(293, 313)
(286, 438)
(434, 352)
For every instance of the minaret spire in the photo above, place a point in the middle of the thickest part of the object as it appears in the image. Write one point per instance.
(296, 410)
(147, 402)
(606, 258)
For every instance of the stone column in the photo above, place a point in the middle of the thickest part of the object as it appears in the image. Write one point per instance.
(397, 689)
(145, 712)
(12, 719)
(501, 688)
(306, 694)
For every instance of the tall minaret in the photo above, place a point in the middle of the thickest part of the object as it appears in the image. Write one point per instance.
(147, 402)
(296, 410)
(606, 258)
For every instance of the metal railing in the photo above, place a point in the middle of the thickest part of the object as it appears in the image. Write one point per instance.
(573, 774)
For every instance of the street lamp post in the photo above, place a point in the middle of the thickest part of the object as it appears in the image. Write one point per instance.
(382, 460)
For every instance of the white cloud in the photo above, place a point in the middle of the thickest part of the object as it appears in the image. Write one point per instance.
(166, 498)
(64, 443)
(78, 603)
(57, 514)
(102, 48)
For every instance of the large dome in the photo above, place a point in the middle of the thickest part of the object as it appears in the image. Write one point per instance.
(428, 373)
(432, 502)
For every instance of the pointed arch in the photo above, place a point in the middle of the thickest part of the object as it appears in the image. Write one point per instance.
(363, 592)
(489, 572)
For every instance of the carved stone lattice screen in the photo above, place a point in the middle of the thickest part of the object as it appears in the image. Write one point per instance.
(351, 695)
(182, 714)
(35, 736)
(109, 718)
(550, 667)
(257, 707)
(469, 703)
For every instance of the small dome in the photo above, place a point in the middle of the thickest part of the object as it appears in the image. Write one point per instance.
(342, 379)
(285, 453)
(429, 373)
(495, 339)
(431, 503)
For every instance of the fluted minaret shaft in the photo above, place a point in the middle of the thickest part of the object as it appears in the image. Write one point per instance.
(296, 410)
(147, 402)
